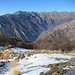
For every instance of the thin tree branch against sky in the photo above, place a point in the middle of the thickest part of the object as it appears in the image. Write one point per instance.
(11, 6)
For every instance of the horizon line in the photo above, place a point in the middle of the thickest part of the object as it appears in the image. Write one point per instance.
(33, 11)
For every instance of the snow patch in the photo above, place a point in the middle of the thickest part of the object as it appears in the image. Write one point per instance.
(33, 65)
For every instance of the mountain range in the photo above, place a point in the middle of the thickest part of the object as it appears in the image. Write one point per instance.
(31, 25)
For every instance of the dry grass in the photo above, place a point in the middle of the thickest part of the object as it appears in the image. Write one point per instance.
(45, 51)
(14, 69)
(72, 52)
(6, 54)
(12, 64)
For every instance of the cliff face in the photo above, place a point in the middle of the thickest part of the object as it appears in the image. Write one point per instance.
(29, 25)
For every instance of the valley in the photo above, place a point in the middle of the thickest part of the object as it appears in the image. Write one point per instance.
(40, 43)
(37, 37)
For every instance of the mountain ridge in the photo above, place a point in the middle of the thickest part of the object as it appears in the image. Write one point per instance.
(29, 25)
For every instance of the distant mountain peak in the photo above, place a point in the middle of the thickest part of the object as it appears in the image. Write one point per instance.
(19, 12)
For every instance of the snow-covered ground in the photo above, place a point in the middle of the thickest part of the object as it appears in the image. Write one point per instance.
(43, 59)
(36, 63)
(16, 49)
(4, 68)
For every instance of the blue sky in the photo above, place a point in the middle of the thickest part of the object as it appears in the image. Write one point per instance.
(11, 6)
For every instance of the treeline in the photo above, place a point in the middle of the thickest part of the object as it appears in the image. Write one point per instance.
(58, 43)
(15, 42)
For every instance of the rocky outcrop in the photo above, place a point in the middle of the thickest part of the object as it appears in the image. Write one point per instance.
(1, 64)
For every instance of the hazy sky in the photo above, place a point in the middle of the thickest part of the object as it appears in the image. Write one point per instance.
(11, 6)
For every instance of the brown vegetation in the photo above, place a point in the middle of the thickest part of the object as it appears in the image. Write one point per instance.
(58, 43)
(14, 69)
(14, 41)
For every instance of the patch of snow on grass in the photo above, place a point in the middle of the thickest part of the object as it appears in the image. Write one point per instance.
(34, 70)
(61, 56)
(43, 59)
(68, 67)
(33, 65)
